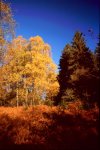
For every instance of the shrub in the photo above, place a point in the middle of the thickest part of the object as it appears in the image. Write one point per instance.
(69, 95)
(63, 104)
(48, 102)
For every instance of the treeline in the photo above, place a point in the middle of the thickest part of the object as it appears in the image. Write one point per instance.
(28, 75)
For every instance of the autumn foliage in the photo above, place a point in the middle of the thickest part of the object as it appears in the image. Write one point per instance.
(28, 74)
(41, 108)
(49, 127)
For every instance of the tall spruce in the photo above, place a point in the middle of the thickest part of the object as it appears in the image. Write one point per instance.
(85, 70)
(65, 71)
(97, 54)
(97, 62)
(76, 72)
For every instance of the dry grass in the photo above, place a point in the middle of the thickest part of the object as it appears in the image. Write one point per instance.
(49, 128)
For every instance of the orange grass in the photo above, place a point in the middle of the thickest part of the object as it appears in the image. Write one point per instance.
(50, 128)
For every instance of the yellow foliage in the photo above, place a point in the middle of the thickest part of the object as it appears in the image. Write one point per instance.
(30, 67)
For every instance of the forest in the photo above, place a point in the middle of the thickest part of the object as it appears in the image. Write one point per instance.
(42, 105)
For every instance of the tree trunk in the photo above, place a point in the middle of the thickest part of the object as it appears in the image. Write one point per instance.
(17, 97)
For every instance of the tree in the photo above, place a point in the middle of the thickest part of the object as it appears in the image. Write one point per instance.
(77, 71)
(97, 54)
(64, 72)
(97, 62)
(7, 23)
(7, 26)
(32, 73)
(85, 66)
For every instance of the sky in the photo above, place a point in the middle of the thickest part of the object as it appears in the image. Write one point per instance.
(56, 21)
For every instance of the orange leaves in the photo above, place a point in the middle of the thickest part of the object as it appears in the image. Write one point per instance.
(48, 125)
(38, 46)
(36, 40)
(29, 71)
(4, 7)
(7, 23)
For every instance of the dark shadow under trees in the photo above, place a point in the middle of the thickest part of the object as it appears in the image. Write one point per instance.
(55, 131)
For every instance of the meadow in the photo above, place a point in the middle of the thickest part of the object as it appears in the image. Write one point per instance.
(49, 128)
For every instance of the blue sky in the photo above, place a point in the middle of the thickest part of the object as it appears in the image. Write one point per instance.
(56, 21)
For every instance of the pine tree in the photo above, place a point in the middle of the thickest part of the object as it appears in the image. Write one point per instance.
(65, 72)
(77, 72)
(85, 70)
(97, 54)
(97, 62)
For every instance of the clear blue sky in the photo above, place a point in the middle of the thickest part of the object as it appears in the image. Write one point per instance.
(56, 21)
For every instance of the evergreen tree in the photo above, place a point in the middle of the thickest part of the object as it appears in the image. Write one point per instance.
(76, 72)
(63, 76)
(84, 72)
(65, 71)
(97, 62)
(97, 53)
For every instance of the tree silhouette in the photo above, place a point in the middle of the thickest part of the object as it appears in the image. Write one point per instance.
(77, 72)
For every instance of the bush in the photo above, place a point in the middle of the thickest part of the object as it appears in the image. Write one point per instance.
(48, 102)
(63, 104)
(51, 127)
(69, 95)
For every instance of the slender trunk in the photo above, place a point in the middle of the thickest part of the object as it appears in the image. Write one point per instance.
(17, 97)
(33, 99)
(26, 97)
(26, 91)
(31, 103)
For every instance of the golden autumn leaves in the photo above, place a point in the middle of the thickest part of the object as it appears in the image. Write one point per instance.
(29, 71)
(28, 74)
(7, 23)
